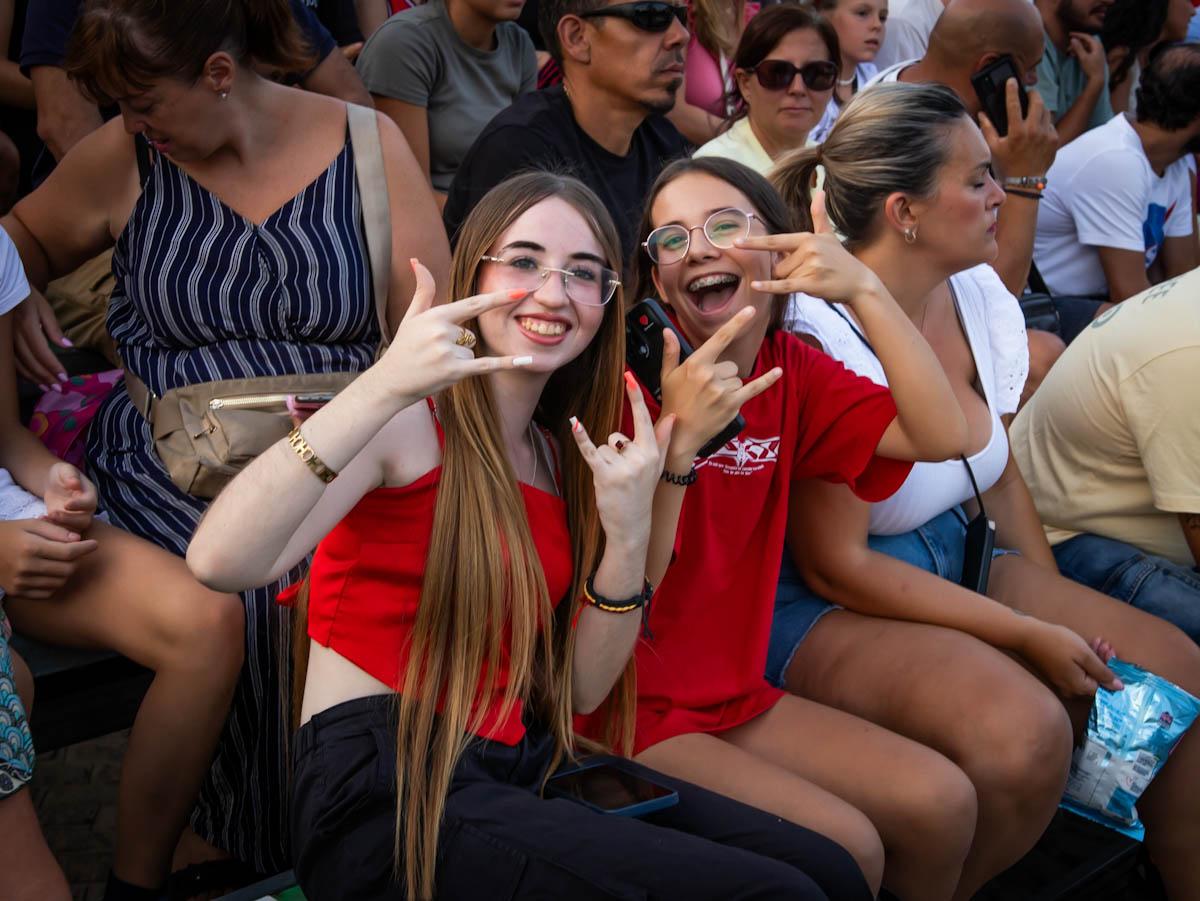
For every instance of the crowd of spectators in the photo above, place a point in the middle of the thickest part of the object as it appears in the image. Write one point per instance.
(409, 232)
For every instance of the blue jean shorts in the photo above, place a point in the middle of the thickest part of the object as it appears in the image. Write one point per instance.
(935, 547)
(1153, 584)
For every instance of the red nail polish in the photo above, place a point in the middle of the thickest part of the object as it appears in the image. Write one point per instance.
(517, 294)
(630, 380)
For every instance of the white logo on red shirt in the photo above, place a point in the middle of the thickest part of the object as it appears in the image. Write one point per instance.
(743, 456)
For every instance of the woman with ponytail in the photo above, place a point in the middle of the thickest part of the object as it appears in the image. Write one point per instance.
(462, 515)
(890, 613)
(239, 252)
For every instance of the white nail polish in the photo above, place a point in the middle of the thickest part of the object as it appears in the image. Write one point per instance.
(522, 361)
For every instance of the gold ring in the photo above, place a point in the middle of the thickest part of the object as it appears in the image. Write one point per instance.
(465, 339)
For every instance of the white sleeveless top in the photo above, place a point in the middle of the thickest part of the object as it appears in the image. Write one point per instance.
(995, 329)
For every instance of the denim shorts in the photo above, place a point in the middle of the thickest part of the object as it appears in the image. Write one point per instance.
(935, 547)
(1153, 584)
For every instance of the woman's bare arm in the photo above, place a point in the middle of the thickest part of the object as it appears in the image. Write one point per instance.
(1010, 506)
(78, 211)
(417, 229)
(827, 536)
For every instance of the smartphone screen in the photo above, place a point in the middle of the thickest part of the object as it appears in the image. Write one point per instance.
(607, 787)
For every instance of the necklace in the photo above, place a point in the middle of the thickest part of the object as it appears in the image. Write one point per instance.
(533, 447)
(846, 82)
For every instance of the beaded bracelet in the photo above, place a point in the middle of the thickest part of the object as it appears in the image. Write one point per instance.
(639, 601)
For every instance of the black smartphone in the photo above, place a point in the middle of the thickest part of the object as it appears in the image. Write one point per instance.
(978, 547)
(644, 325)
(608, 787)
(989, 83)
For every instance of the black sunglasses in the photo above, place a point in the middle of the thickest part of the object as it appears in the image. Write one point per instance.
(777, 74)
(648, 15)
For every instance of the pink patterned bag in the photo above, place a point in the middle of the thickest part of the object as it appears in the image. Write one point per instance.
(61, 418)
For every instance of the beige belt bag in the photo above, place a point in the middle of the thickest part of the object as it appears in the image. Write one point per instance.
(205, 434)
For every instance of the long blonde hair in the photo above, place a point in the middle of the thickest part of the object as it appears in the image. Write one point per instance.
(894, 137)
(718, 24)
(483, 579)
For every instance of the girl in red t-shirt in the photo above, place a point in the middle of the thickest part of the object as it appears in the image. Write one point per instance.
(443, 671)
(705, 712)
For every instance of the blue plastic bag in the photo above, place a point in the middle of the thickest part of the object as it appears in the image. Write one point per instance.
(1130, 734)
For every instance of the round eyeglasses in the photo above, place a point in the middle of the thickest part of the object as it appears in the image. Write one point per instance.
(669, 244)
(585, 282)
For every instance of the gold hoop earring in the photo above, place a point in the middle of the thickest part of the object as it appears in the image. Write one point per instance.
(910, 235)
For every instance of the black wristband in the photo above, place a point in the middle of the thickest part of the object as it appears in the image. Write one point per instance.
(637, 602)
(609, 605)
(1031, 195)
(682, 481)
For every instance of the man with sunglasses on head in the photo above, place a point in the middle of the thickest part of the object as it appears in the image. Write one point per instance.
(622, 65)
(970, 36)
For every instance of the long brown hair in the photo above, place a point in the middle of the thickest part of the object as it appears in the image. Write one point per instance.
(470, 600)
(121, 47)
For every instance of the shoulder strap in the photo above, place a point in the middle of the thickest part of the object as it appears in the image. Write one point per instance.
(373, 197)
(1037, 284)
(142, 150)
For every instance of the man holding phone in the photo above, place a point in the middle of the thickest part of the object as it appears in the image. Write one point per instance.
(988, 52)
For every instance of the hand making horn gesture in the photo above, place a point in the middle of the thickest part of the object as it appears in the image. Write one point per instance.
(704, 393)
(433, 350)
(814, 262)
(626, 470)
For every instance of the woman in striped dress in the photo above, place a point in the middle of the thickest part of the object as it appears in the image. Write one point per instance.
(239, 253)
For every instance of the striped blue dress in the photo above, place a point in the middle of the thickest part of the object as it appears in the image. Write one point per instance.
(204, 294)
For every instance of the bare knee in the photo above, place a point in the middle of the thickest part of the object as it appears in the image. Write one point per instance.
(1021, 749)
(940, 808)
(854, 832)
(1176, 656)
(209, 632)
(1044, 350)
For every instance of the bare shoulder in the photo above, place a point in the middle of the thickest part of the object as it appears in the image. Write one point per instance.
(407, 446)
(85, 202)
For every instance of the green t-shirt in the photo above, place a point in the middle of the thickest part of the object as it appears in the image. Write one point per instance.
(417, 57)
(1061, 80)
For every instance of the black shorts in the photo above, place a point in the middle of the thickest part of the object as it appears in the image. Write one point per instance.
(500, 840)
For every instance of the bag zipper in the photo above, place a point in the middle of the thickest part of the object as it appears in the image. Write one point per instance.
(247, 400)
(268, 400)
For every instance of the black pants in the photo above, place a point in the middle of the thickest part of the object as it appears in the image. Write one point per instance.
(501, 841)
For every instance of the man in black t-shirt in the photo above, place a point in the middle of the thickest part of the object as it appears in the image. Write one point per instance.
(605, 125)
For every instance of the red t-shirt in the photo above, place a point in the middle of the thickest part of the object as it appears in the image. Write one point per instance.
(711, 616)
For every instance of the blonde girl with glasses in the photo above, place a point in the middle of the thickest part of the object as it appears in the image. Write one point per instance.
(461, 514)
